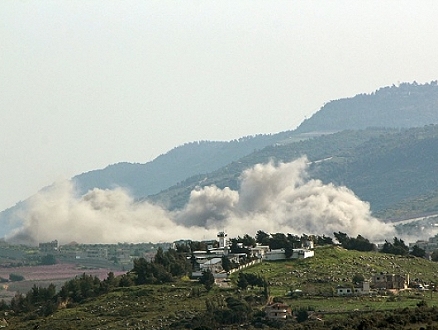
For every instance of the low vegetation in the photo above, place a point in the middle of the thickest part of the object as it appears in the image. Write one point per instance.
(306, 285)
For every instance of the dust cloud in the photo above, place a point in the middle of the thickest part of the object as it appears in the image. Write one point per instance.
(272, 197)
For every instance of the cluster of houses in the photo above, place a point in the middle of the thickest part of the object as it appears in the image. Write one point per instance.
(212, 258)
(120, 253)
(209, 259)
(428, 246)
(380, 281)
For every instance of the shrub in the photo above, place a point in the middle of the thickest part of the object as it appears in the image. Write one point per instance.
(15, 277)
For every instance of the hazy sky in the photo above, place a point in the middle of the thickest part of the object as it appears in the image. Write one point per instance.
(84, 84)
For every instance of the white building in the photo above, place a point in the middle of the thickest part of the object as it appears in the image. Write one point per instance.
(354, 290)
(281, 255)
(259, 251)
(222, 238)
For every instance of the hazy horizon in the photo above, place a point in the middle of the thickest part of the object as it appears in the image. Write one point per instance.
(88, 84)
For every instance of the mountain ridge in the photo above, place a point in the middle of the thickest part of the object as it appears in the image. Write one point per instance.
(387, 109)
(406, 105)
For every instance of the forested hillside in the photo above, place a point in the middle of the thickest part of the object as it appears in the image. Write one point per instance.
(390, 169)
(382, 166)
(407, 105)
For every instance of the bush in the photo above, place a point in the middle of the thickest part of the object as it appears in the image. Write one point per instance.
(302, 315)
(15, 277)
(48, 260)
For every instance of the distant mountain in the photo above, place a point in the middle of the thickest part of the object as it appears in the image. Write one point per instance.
(316, 148)
(407, 105)
(382, 166)
(389, 169)
(174, 166)
(164, 171)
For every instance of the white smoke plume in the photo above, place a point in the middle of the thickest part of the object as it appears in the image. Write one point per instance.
(272, 198)
(100, 216)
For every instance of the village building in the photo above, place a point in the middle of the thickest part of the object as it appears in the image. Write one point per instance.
(214, 265)
(428, 246)
(280, 254)
(278, 311)
(222, 237)
(97, 253)
(48, 247)
(361, 289)
(259, 251)
(390, 281)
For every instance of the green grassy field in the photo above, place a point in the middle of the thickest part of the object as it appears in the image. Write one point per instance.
(334, 265)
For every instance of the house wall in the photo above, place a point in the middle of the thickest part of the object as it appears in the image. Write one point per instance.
(215, 265)
(356, 290)
(275, 255)
(278, 311)
(344, 291)
(280, 254)
(389, 281)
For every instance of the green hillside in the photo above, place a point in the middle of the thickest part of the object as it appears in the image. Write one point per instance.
(388, 169)
(407, 105)
(382, 166)
(183, 304)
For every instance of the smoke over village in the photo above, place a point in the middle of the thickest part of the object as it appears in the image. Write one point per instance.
(272, 197)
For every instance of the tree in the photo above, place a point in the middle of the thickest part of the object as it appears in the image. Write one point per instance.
(434, 255)
(198, 246)
(183, 248)
(248, 241)
(48, 260)
(15, 277)
(240, 310)
(278, 241)
(398, 247)
(324, 240)
(302, 315)
(359, 243)
(262, 237)
(143, 271)
(160, 257)
(358, 278)
(295, 241)
(341, 237)
(418, 252)
(226, 264)
(125, 281)
(207, 279)
(242, 281)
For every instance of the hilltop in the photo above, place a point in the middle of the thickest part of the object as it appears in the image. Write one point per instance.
(403, 106)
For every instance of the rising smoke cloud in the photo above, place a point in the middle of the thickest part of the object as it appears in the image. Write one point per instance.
(272, 198)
